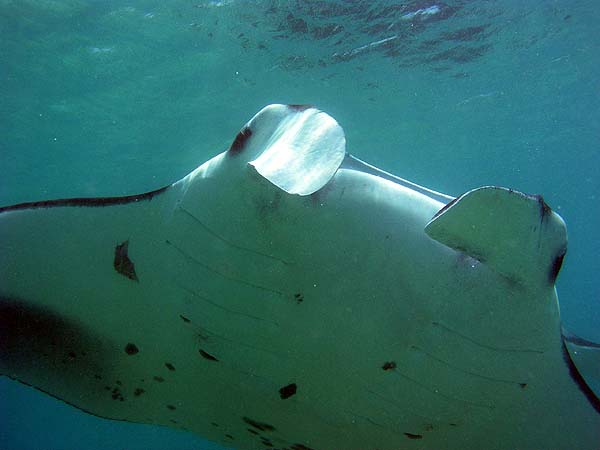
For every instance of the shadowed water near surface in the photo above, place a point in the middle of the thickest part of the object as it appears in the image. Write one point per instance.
(115, 98)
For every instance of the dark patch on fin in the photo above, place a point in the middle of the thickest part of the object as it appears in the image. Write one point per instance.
(170, 366)
(299, 108)
(122, 263)
(92, 202)
(258, 425)
(207, 355)
(185, 319)
(288, 391)
(240, 140)
(131, 349)
(578, 379)
(30, 333)
(545, 210)
(447, 206)
(389, 365)
(555, 267)
(413, 436)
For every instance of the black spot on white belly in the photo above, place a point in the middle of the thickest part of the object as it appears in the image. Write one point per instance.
(288, 391)
(122, 263)
(413, 436)
(207, 355)
(389, 365)
(261, 426)
(300, 447)
(131, 349)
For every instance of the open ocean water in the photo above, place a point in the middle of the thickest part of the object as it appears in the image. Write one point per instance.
(108, 98)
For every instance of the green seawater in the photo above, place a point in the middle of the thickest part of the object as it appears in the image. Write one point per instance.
(103, 98)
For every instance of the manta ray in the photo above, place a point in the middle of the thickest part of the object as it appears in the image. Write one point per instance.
(288, 295)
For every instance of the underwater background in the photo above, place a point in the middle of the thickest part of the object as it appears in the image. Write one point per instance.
(109, 98)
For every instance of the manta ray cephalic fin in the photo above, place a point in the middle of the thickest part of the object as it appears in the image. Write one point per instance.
(297, 148)
(515, 234)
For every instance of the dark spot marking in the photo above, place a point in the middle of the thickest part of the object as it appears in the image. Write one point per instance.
(170, 367)
(287, 391)
(579, 380)
(555, 267)
(98, 377)
(300, 447)
(174, 421)
(116, 395)
(214, 424)
(229, 436)
(523, 385)
(119, 383)
(122, 263)
(240, 141)
(453, 425)
(299, 108)
(131, 349)
(84, 202)
(185, 319)
(413, 436)
(389, 365)
(72, 355)
(159, 379)
(171, 407)
(138, 392)
(207, 355)
(258, 425)
(266, 442)
(299, 297)
(250, 430)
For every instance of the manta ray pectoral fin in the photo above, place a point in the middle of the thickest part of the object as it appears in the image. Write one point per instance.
(585, 358)
(297, 148)
(515, 234)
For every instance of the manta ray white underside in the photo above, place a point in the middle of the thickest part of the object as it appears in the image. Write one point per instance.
(287, 295)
